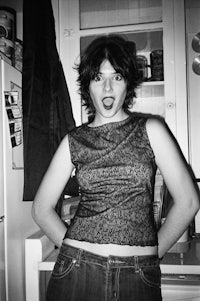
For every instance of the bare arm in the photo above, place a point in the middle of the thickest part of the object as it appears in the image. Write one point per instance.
(51, 187)
(179, 183)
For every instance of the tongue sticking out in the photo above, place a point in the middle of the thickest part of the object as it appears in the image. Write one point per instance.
(108, 103)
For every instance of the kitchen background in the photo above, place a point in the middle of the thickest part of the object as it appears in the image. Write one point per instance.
(172, 90)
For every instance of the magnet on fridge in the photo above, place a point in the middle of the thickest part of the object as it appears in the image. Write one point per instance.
(196, 65)
(196, 42)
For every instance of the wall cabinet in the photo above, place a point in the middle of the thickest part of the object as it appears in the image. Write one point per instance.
(154, 25)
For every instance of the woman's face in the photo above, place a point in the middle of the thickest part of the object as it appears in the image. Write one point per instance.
(108, 92)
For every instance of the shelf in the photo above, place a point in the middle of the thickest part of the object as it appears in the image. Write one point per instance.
(153, 83)
(123, 28)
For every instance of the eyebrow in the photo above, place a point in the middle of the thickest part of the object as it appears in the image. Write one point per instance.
(109, 72)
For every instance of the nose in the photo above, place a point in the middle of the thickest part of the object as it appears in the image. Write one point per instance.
(108, 85)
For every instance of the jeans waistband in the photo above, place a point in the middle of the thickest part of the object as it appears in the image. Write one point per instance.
(110, 261)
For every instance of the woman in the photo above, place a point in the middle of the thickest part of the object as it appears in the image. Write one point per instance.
(111, 250)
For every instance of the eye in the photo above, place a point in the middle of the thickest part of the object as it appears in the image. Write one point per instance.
(118, 77)
(97, 77)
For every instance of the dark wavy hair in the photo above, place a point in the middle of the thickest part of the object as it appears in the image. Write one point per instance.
(121, 54)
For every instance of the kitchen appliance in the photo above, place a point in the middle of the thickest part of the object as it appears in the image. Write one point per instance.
(11, 175)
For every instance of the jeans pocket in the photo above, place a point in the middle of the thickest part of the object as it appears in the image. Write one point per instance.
(151, 276)
(63, 266)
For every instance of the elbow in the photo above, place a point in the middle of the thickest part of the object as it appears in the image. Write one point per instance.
(37, 213)
(189, 206)
(197, 207)
(194, 205)
(41, 212)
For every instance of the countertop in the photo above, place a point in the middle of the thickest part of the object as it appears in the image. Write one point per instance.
(183, 258)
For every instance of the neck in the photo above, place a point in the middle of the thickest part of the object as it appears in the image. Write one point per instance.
(100, 120)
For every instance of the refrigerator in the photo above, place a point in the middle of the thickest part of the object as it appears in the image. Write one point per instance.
(16, 223)
(11, 162)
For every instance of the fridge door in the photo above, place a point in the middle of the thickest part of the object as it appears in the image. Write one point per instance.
(2, 213)
(11, 172)
(2, 261)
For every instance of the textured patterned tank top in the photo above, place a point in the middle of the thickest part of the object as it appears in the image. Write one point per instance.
(115, 169)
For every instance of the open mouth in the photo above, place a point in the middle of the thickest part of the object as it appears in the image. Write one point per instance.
(108, 103)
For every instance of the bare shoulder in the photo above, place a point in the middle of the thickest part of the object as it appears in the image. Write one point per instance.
(64, 144)
(161, 139)
(158, 131)
(156, 126)
(65, 139)
(62, 153)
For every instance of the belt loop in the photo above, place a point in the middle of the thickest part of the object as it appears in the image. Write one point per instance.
(137, 268)
(78, 257)
(109, 261)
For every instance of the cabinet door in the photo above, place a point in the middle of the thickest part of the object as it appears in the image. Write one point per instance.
(194, 107)
(81, 21)
(175, 71)
(180, 293)
(193, 58)
(150, 96)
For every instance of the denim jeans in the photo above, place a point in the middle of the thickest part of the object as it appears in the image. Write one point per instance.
(83, 276)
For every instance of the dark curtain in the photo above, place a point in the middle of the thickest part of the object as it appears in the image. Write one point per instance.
(47, 112)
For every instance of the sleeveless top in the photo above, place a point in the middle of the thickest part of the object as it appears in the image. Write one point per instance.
(115, 170)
